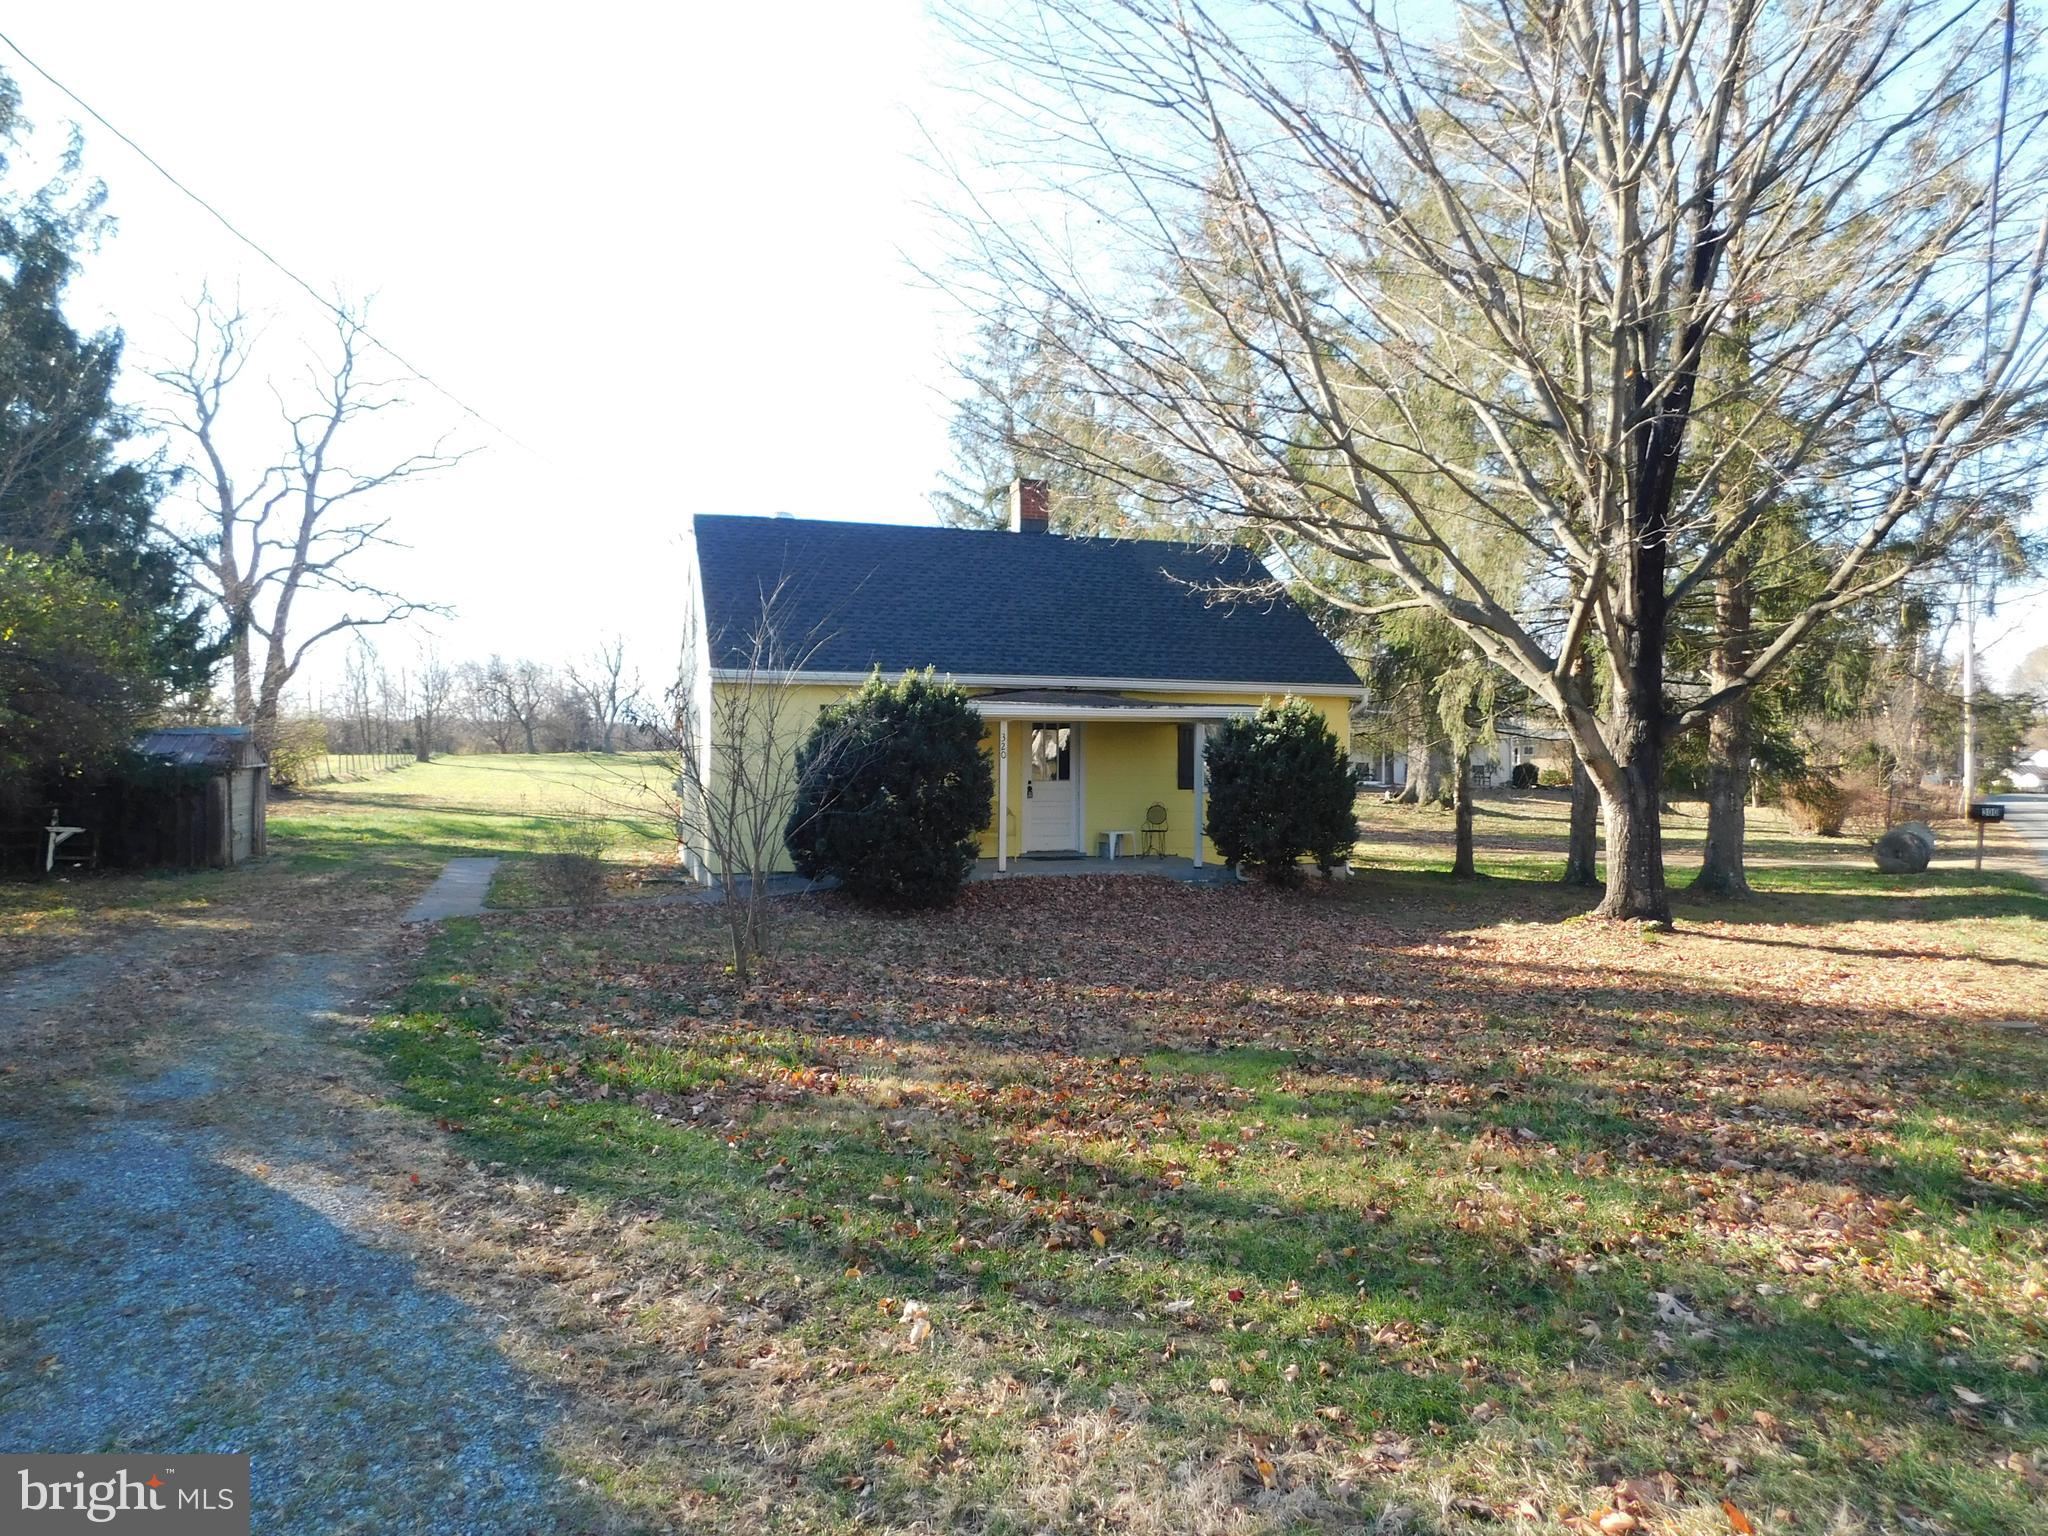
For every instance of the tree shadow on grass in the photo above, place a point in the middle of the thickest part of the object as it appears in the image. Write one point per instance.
(1686, 1071)
(1867, 953)
(1290, 1004)
(1448, 1291)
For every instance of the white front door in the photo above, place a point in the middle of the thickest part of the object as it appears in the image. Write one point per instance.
(1049, 798)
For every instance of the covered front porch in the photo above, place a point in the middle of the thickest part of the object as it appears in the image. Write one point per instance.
(1092, 779)
(1163, 867)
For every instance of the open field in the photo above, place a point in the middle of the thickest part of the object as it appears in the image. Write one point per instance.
(504, 805)
(388, 833)
(1116, 1205)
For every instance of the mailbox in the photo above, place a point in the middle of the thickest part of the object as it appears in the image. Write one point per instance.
(1986, 810)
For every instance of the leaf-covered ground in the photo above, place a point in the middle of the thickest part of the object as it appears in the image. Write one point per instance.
(1112, 1204)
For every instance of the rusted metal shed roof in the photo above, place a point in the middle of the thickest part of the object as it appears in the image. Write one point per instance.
(195, 746)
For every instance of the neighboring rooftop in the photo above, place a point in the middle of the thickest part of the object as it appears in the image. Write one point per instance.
(192, 746)
(978, 604)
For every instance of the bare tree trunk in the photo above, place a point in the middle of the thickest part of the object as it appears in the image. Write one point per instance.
(1728, 742)
(1632, 788)
(1411, 787)
(1915, 752)
(1582, 846)
(1582, 850)
(244, 675)
(1462, 867)
(1632, 781)
(1429, 772)
(1728, 773)
(1631, 807)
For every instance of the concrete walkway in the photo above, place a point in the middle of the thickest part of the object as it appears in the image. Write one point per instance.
(459, 891)
(1183, 870)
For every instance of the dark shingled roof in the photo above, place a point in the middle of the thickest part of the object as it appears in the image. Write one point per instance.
(982, 604)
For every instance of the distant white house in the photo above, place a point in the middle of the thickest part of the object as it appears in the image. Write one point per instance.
(2031, 771)
(1515, 741)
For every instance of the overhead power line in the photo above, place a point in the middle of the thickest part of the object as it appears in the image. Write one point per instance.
(230, 226)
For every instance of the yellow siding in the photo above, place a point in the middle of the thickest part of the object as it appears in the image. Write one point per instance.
(789, 721)
(1130, 765)
(1124, 766)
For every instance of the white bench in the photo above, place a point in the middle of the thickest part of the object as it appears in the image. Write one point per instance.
(1111, 844)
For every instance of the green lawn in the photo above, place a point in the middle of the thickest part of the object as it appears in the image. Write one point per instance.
(425, 813)
(1228, 1210)
(384, 836)
(1518, 839)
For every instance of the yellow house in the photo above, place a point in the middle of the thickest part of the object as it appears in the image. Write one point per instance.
(1098, 664)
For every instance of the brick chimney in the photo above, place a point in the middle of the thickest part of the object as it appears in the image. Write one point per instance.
(1030, 507)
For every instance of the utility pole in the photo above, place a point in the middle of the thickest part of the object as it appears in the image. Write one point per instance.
(2011, 20)
(1970, 683)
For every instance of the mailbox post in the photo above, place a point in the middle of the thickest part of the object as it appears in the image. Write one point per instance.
(1982, 811)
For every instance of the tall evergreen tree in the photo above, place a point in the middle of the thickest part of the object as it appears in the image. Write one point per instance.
(1024, 411)
(78, 496)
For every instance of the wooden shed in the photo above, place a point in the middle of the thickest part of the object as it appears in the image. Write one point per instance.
(221, 818)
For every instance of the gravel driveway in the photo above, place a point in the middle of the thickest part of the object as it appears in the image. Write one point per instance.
(197, 1257)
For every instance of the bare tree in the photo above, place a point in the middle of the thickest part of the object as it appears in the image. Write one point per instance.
(479, 697)
(359, 693)
(394, 709)
(607, 688)
(1302, 223)
(733, 752)
(433, 698)
(268, 534)
(507, 700)
(525, 691)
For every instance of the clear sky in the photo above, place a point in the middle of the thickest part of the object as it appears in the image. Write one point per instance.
(661, 245)
(668, 248)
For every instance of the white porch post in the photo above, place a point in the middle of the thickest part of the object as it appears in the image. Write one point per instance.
(1002, 796)
(1201, 788)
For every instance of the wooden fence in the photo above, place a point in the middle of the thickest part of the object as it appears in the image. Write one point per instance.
(349, 767)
